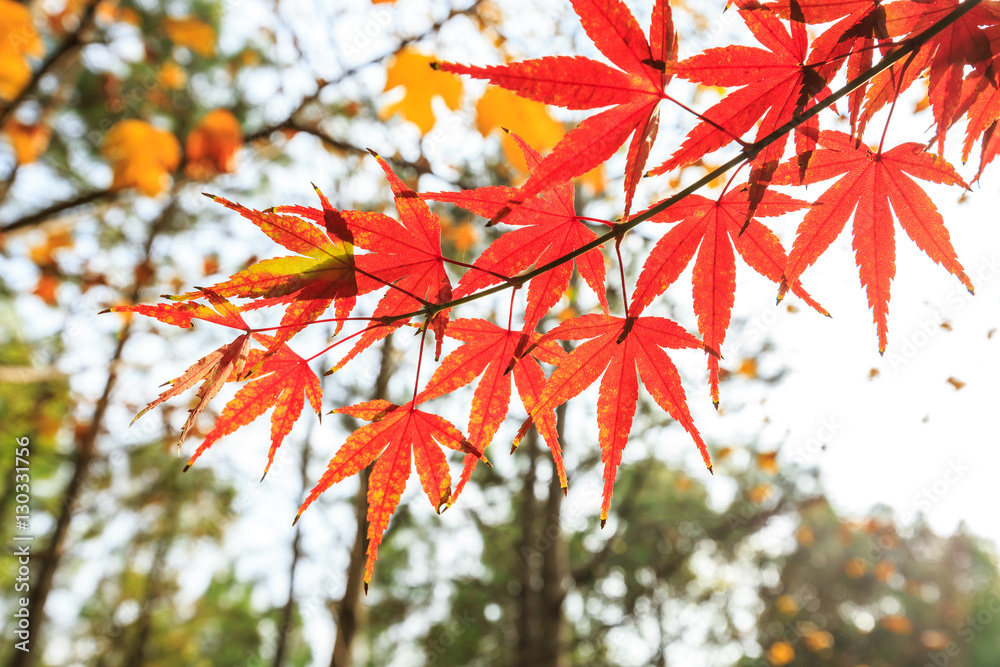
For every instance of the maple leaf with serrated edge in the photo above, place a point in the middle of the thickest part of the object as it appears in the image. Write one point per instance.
(776, 85)
(946, 55)
(213, 370)
(396, 436)
(284, 382)
(322, 273)
(183, 314)
(869, 183)
(850, 41)
(547, 228)
(617, 347)
(634, 91)
(404, 256)
(715, 226)
(981, 106)
(496, 354)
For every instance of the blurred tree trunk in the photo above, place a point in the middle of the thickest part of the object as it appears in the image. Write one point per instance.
(288, 612)
(49, 560)
(543, 565)
(151, 594)
(555, 568)
(346, 611)
(526, 624)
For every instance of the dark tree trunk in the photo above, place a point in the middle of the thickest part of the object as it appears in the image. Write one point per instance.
(526, 564)
(346, 611)
(288, 612)
(144, 624)
(555, 569)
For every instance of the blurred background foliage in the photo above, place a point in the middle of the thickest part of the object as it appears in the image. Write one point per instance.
(114, 117)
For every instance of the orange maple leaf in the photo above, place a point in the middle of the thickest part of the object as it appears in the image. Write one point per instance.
(322, 273)
(214, 369)
(498, 355)
(618, 348)
(634, 92)
(868, 184)
(283, 382)
(396, 436)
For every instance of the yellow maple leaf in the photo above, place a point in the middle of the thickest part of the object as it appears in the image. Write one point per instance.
(748, 368)
(501, 109)
(28, 141)
(212, 144)
(192, 33)
(46, 288)
(141, 156)
(530, 120)
(594, 179)
(412, 70)
(18, 39)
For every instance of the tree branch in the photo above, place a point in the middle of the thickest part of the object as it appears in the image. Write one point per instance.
(906, 47)
(54, 209)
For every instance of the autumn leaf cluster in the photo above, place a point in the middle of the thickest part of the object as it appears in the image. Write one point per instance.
(141, 155)
(786, 86)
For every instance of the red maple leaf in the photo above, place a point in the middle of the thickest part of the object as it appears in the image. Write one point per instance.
(981, 105)
(850, 41)
(547, 228)
(635, 91)
(946, 55)
(404, 256)
(776, 84)
(617, 347)
(213, 370)
(396, 436)
(321, 273)
(284, 381)
(715, 226)
(497, 354)
(869, 183)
